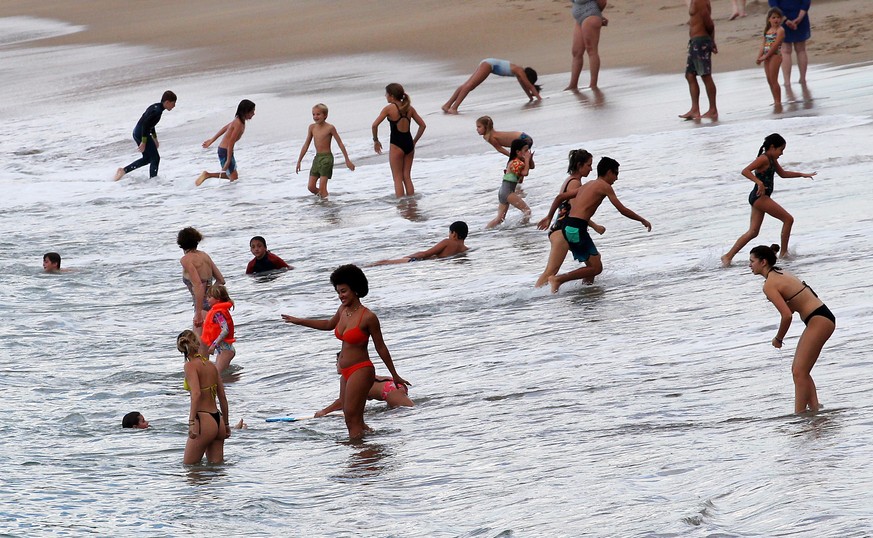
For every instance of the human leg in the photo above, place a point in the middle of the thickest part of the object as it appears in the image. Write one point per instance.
(802, 60)
(709, 84)
(591, 35)
(479, 75)
(206, 430)
(808, 350)
(408, 187)
(222, 361)
(694, 90)
(355, 398)
(501, 216)
(578, 51)
(771, 68)
(557, 254)
(519, 204)
(754, 228)
(786, 63)
(593, 267)
(151, 153)
(311, 186)
(769, 206)
(395, 160)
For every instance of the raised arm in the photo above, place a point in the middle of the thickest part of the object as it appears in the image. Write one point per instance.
(318, 324)
(613, 198)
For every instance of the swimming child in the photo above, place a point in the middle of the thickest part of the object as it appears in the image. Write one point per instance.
(762, 171)
(583, 204)
(232, 132)
(51, 262)
(322, 165)
(135, 420)
(453, 244)
(770, 53)
(384, 389)
(264, 260)
(526, 77)
(789, 295)
(400, 114)
(218, 333)
(517, 168)
(146, 138)
(501, 139)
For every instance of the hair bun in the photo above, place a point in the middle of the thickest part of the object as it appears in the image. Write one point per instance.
(775, 248)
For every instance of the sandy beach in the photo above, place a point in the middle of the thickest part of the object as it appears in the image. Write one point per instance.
(641, 33)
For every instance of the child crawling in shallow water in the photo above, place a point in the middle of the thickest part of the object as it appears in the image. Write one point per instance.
(501, 139)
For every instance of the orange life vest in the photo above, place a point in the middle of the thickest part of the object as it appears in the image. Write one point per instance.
(211, 329)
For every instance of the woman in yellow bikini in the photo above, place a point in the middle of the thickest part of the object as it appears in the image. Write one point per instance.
(207, 427)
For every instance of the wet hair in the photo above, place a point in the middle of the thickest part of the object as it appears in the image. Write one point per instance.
(578, 158)
(532, 77)
(168, 96)
(53, 257)
(244, 107)
(487, 123)
(607, 164)
(767, 254)
(130, 420)
(772, 10)
(322, 107)
(217, 291)
(188, 343)
(188, 238)
(774, 140)
(352, 276)
(460, 228)
(258, 238)
(395, 90)
(516, 146)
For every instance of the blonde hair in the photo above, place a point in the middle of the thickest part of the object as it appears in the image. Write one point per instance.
(488, 124)
(322, 107)
(219, 292)
(395, 90)
(188, 343)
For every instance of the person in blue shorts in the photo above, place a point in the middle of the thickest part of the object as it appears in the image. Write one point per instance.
(232, 132)
(526, 76)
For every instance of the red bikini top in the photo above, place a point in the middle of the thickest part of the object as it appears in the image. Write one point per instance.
(355, 335)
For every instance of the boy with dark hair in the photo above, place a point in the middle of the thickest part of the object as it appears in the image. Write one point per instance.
(146, 138)
(453, 244)
(264, 260)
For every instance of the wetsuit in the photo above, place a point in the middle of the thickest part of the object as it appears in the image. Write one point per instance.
(401, 139)
(145, 132)
(270, 262)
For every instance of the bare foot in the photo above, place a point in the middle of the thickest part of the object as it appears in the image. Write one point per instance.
(450, 110)
(734, 16)
(119, 174)
(201, 178)
(573, 89)
(711, 115)
(554, 284)
(725, 261)
(241, 425)
(691, 115)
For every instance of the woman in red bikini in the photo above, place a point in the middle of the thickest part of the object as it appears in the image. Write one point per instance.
(353, 324)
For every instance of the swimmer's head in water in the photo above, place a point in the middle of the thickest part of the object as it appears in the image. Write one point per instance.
(134, 419)
(460, 229)
(51, 261)
(188, 238)
(258, 246)
(352, 276)
(188, 343)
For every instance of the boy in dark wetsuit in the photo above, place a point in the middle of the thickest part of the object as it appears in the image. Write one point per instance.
(583, 204)
(146, 138)
(264, 259)
(453, 244)
(322, 166)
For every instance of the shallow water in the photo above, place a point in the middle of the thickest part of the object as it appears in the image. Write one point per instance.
(647, 404)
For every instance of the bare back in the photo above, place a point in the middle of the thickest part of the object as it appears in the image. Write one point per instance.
(797, 295)
(201, 262)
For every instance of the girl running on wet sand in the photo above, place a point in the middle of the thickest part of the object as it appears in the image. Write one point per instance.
(518, 167)
(232, 132)
(762, 171)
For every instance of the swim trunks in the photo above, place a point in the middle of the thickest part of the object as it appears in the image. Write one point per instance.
(501, 68)
(582, 9)
(576, 233)
(222, 158)
(322, 165)
(699, 56)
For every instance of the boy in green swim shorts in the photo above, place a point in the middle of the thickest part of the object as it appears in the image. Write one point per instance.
(322, 166)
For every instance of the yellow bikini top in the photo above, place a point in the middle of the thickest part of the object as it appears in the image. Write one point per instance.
(211, 388)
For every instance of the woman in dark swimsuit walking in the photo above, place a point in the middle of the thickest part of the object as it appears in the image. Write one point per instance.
(400, 115)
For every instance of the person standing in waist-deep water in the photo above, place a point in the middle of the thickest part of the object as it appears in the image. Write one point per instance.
(146, 138)
(701, 47)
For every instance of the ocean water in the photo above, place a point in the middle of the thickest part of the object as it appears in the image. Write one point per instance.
(647, 404)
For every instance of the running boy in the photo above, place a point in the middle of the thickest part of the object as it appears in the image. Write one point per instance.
(453, 244)
(264, 260)
(146, 138)
(322, 165)
(583, 205)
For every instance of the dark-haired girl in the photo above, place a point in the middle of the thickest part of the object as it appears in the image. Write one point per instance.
(232, 132)
(516, 169)
(354, 325)
(400, 116)
(762, 171)
(789, 294)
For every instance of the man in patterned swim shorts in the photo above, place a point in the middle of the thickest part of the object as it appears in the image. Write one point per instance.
(701, 47)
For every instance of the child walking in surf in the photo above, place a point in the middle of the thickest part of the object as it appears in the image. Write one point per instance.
(218, 333)
(517, 168)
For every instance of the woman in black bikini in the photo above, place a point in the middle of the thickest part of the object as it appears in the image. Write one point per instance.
(400, 115)
(207, 428)
(788, 294)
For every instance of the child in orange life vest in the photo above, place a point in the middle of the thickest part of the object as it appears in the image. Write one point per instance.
(218, 327)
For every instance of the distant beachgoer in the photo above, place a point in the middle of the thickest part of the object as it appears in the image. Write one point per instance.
(586, 38)
(739, 9)
(579, 167)
(453, 244)
(797, 33)
(762, 171)
(384, 389)
(207, 427)
(198, 272)
(218, 329)
(789, 294)
(135, 420)
(264, 260)
(526, 77)
(51, 262)
(517, 168)
(232, 132)
(701, 47)
(322, 166)
(583, 204)
(354, 324)
(400, 114)
(770, 55)
(146, 138)
(501, 139)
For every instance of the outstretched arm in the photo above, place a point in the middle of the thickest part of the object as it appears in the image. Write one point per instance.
(625, 211)
(319, 324)
(431, 252)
